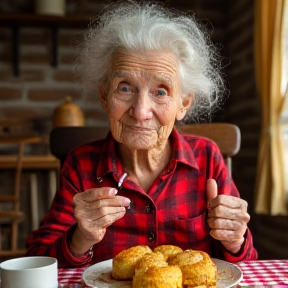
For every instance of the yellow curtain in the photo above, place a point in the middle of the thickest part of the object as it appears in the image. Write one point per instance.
(270, 194)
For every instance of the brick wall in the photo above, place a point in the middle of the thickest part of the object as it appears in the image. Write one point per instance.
(40, 87)
(242, 107)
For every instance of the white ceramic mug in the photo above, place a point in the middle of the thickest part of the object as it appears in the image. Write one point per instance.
(29, 272)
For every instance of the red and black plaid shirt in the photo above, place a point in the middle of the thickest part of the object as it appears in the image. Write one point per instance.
(173, 211)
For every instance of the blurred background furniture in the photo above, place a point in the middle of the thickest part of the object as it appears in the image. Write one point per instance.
(10, 212)
(64, 139)
(226, 136)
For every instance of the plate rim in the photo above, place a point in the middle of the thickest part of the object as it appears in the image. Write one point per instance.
(233, 265)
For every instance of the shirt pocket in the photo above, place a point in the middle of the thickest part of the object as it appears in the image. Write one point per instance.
(193, 229)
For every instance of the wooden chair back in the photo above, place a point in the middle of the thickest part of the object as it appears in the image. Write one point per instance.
(226, 136)
(64, 139)
(13, 216)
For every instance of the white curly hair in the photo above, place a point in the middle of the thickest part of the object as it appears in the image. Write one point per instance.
(147, 26)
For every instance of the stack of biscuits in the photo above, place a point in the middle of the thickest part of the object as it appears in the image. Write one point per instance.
(167, 266)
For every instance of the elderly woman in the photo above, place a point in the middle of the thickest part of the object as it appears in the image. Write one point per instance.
(150, 67)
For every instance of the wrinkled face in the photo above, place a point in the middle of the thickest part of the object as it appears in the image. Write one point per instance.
(143, 98)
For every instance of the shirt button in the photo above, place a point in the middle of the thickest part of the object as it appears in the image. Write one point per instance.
(130, 205)
(151, 236)
(149, 209)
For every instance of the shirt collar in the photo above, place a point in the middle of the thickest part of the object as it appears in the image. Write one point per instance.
(110, 161)
(182, 151)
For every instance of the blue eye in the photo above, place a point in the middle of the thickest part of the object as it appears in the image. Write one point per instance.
(161, 92)
(125, 89)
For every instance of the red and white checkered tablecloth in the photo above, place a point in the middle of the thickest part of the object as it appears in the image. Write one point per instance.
(264, 272)
(72, 275)
(267, 273)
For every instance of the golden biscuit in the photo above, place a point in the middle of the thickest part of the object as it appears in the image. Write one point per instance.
(168, 250)
(123, 264)
(159, 277)
(150, 260)
(197, 268)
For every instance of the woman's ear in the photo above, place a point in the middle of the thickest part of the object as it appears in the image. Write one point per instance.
(103, 97)
(186, 102)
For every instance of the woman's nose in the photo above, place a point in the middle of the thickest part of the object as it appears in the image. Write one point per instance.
(141, 108)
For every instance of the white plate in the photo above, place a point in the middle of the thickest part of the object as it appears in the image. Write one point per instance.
(228, 274)
(99, 275)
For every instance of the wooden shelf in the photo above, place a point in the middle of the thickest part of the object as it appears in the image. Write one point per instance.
(46, 162)
(17, 20)
(20, 252)
(20, 139)
(33, 20)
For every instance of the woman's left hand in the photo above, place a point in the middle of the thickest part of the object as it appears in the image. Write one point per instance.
(227, 217)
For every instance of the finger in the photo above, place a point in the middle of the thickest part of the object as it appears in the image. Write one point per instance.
(95, 215)
(98, 207)
(229, 201)
(114, 202)
(226, 224)
(229, 213)
(108, 221)
(211, 190)
(105, 220)
(93, 194)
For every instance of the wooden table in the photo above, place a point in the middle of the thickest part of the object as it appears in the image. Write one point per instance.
(261, 273)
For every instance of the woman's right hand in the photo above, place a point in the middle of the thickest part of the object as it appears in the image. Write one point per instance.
(94, 210)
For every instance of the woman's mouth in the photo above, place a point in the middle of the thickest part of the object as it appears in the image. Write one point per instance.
(139, 128)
